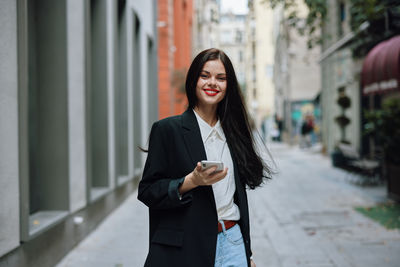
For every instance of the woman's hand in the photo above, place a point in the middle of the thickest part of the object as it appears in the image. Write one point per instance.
(207, 176)
(199, 177)
(252, 264)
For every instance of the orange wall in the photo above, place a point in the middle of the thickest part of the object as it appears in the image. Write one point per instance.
(174, 49)
(165, 59)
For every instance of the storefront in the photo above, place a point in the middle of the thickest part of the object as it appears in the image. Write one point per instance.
(380, 79)
(380, 84)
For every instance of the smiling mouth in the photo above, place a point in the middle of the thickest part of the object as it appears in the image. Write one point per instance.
(211, 92)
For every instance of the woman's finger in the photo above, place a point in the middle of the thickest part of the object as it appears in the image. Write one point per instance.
(198, 167)
(220, 173)
(210, 170)
(218, 176)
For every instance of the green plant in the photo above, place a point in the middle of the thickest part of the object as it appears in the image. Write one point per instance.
(383, 17)
(387, 214)
(344, 102)
(313, 22)
(384, 125)
(342, 121)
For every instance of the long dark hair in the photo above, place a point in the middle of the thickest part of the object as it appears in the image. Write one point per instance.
(233, 117)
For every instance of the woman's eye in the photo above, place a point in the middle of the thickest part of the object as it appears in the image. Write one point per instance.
(222, 78)
(203, 76)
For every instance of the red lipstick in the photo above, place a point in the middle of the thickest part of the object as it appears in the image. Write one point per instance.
(211, 92)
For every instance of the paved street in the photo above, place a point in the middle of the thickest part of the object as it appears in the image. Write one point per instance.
(304, 217)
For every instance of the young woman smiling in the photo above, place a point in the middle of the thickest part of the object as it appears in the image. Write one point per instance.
(199, 217)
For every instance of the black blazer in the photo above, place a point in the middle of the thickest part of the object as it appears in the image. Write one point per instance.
(183, 232)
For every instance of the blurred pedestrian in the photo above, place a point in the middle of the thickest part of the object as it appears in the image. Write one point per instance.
(279, 128)
(279, 124)
(307, 128)
(199, 217)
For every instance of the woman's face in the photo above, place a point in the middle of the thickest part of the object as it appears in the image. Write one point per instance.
(211, 85)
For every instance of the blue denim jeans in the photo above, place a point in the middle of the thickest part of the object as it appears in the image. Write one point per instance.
(230, 248)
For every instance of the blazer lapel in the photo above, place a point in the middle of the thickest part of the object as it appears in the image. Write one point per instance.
(192, 137)
(194, 145)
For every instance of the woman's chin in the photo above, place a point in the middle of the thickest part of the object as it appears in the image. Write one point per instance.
(210, 102)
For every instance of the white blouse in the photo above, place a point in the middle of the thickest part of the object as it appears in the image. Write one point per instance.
(217, 149)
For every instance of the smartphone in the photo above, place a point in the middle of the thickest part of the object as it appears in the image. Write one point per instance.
(205, 164)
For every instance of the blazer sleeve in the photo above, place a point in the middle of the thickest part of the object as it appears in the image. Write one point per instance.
(156, 189)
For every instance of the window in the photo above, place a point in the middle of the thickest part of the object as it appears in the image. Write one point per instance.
(226, 36)
(239, 36)
(121, 98)
(341, 17)
(48, 114)
(98, 101)
(240, 56)
(137, 95)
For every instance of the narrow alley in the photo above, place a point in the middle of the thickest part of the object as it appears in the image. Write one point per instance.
(304, 217)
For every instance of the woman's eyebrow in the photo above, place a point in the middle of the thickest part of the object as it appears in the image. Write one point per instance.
(217, 74)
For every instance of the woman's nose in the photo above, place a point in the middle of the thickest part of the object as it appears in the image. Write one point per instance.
(213, 81)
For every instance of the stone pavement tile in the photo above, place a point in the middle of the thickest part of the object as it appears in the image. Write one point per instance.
(121, 240)
(365, 244)
(290, 244)
(307, 217)
(264, 253)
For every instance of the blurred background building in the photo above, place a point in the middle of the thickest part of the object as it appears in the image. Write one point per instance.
(205, 25)
(340, 73)
(259, 63)
(296, 75)
(233, 42)
(347, 68)
(78, 96)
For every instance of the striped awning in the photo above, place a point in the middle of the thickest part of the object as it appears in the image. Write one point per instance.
(381, 72)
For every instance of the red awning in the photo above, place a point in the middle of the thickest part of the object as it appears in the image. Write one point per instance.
(381, 72)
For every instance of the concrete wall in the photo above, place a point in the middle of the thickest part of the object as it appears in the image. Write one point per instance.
(339, 70)
(64, 68)
(305, 77)
(9, 173)
(76, 104)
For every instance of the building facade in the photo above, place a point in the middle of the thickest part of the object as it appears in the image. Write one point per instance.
(175, 54)
(259, 62)
(296, 76)
(360, 64)
(340, 74)
(78, 97)
(205, 25)
(233, 42)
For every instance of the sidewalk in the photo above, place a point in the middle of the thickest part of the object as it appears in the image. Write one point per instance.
(304, 217)
(121, 240)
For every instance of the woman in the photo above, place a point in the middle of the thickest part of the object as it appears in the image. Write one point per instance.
(199, 217)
